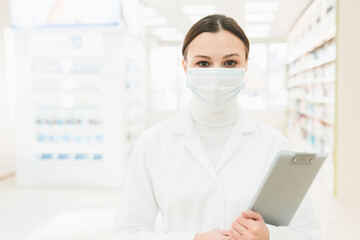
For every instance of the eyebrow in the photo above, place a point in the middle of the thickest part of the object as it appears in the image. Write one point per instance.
(231, 55)
(202, 56)
(226, 56)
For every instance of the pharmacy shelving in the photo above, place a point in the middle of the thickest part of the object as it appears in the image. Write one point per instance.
(311, 73)
(80, 104)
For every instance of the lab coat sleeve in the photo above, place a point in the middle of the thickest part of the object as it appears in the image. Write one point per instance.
(303, 226)
(138, 209)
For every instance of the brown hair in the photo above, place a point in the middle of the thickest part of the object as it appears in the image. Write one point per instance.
(215, 23)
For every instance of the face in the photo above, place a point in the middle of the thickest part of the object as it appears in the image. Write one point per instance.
(220, 49)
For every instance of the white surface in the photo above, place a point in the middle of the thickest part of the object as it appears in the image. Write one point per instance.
(62, 213)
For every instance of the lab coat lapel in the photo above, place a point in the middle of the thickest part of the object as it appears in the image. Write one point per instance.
(183, 124)
(195, 146)
(243, 127)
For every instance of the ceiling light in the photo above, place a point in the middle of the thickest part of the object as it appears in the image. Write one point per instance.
(199, 9)
(257, 30)
(162, 31)
(259, 17)
(261, 6)
(155, 21)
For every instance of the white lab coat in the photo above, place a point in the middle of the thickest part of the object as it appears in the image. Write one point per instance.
(170, 172)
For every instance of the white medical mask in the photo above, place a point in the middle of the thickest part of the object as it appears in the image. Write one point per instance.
(216, 86)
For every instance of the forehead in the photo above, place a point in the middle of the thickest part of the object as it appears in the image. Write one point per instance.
(216, 44)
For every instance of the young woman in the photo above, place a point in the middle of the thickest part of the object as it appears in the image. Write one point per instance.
(201, 168)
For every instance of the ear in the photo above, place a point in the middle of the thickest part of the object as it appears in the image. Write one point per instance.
(184, 65)
(246, 64)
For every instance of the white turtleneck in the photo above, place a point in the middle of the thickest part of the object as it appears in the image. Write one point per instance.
(214, 128)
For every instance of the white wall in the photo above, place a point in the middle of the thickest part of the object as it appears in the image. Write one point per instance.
(348, 99)
(7, 157)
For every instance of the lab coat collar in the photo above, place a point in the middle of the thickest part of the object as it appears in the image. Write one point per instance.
(182, 124)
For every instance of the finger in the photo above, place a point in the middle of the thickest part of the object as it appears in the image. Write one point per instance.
(234, 233)
(236, 237)
(238, 231)
(252, 215)
(244, 221)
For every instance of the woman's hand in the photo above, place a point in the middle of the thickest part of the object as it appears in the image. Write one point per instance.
(213, 235)
(249, 226)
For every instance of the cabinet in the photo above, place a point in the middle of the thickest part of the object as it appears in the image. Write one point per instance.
(311, 84)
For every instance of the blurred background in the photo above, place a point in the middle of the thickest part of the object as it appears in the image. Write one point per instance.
(81, 79)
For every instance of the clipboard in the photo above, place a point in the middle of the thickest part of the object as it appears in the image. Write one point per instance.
(285, 185)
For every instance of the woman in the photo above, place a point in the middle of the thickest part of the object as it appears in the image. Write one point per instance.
(201, 168)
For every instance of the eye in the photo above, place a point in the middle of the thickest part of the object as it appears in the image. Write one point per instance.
(203, 64)
(230, 63)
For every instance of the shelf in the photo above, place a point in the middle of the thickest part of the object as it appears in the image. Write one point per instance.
(295, 84)
(312, 79)
(324, 122)
(312, 45)
(315, 64)
(318, 100)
